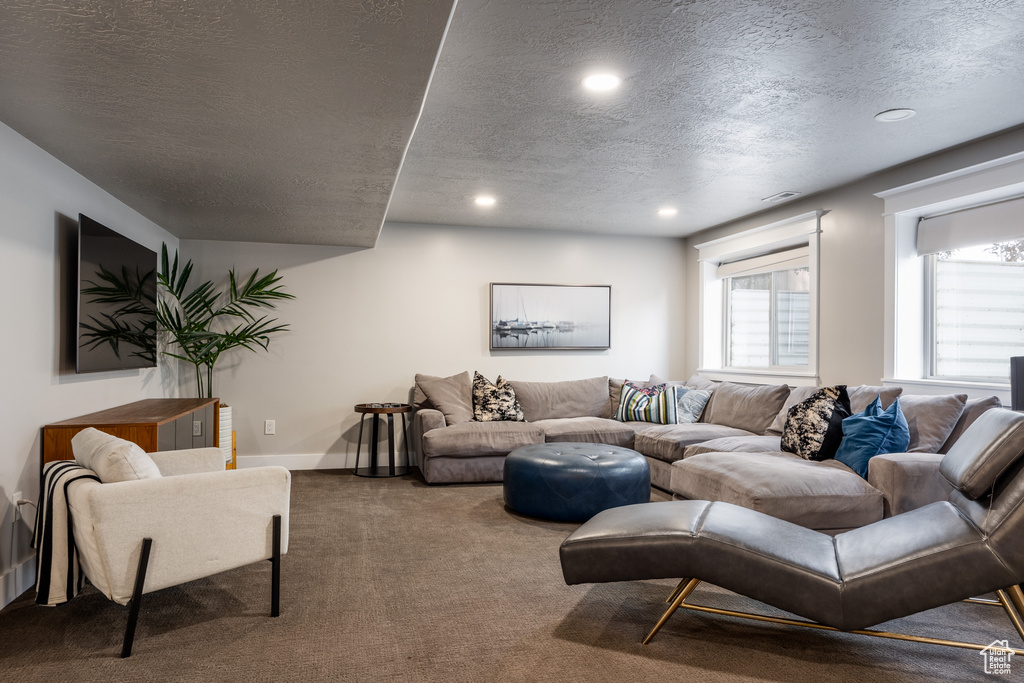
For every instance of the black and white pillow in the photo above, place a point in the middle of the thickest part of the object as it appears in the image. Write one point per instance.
(495, 402)
(814, 426)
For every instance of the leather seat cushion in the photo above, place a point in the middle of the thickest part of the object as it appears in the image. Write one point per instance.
(826, 496)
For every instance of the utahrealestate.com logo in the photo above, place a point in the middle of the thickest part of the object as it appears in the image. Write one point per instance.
(997, 657)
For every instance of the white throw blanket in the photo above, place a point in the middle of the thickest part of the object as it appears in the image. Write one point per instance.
(58, 575)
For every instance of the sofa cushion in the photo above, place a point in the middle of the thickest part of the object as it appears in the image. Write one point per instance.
(615, 392)
(826, 495)
(796, 395)
(862, 395)
(667, 442)
(814, 427)
(112, 459)
(751, 409)
(481, 438)
(736, 444)
(647, 404)
(931, 419)
(495, 402)
(972, 410)
(587, 430)
(453, 396)
(575, 398)
(872, 432)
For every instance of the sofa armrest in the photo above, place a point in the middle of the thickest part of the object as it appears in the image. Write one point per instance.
(188, 461)
(423, 421)
(201, 524)
(908, 480)
(429, 419)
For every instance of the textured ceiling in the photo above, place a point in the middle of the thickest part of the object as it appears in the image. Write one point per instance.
(286, 120)
(274, 121)
(724, 102)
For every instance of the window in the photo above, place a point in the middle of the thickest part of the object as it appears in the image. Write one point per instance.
(977, 311)
(759, 308)
(954, 279)
(768, 319)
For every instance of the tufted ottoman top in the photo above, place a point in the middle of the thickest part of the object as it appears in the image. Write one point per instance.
(574, 481)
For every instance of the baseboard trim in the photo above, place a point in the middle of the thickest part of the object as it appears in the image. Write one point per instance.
(314, 461)
(17, 580)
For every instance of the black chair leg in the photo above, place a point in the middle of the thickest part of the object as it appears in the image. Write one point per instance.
(136, 603)
(275, 572)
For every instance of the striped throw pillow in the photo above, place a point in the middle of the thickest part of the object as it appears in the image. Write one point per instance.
(653, 404)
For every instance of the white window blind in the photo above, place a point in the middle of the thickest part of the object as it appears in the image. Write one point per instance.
(986, 224)
(783, 260)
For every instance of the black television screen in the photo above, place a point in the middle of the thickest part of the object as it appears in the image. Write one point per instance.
(116, 301)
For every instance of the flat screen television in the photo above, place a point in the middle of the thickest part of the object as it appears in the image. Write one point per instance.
(116, 301)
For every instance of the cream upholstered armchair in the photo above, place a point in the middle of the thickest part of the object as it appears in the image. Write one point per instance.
(162, 519)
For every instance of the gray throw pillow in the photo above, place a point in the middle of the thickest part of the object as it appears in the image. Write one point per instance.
(573, 398)
(796, 395)
(931, 419)
(453, 396)
(495, 402)
(743, 407)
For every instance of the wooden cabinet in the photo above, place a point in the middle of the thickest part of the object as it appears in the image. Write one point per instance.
(155, 424)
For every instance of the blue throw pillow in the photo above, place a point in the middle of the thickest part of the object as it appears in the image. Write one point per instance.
(871, 433)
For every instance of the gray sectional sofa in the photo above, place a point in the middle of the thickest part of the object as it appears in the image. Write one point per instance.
(733, 453)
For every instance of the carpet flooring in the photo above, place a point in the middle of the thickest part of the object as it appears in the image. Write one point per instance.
(394, 580)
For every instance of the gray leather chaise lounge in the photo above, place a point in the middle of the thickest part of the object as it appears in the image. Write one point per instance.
(944, 552)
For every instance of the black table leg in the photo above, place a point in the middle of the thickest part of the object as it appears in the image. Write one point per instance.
(391, 445)
(359, 443)
(373, 446)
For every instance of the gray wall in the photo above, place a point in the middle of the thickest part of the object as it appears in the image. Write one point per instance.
(852, 259)
(40, 198)
(365, 322)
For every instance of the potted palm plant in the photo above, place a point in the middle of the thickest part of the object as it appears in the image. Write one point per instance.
(202, 322)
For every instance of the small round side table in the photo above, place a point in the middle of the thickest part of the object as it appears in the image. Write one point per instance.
(376, 409)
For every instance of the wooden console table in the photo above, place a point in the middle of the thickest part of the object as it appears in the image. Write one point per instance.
(155, 424)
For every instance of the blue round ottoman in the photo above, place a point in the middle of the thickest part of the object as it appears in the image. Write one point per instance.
(572, 482)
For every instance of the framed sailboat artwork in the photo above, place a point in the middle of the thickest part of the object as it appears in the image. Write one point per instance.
(527, 316)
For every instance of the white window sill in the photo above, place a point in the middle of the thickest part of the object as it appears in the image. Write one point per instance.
(753, 376)
(946, 386)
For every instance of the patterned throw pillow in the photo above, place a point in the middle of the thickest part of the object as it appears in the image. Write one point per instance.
(690, 403)
(814, 427)
(652, 404)
(495, 402)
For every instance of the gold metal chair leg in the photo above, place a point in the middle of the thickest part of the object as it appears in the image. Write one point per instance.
(1017, 598)
(675, 592)
(682, 595)
(1011, 611)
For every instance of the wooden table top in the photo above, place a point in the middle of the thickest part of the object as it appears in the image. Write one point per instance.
(150, 410)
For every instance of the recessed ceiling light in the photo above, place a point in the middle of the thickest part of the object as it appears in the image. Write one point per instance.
(484, 200)
(667, 212)
(601, 82)
(892, 115)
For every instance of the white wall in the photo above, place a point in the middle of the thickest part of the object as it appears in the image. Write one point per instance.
(365, 322)
(852, 299)
(39, 199)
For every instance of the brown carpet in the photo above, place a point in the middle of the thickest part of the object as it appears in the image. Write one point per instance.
(394, 580)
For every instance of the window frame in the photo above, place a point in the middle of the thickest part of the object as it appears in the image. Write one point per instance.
(907, 320)
(762, 243)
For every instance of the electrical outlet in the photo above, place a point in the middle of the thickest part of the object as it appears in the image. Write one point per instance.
(269, 427)
(14, 501)
(197, 428)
